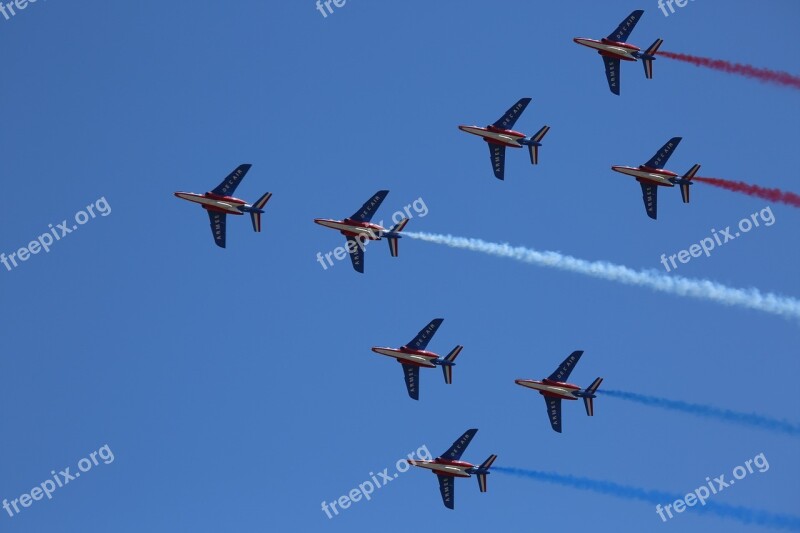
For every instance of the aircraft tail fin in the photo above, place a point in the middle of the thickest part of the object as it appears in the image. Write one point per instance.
(648, 57)
(685, 186)
(588, 401)
(449, 361)
(536, 139)
(393, 235)
(255, 215)
(483, 471)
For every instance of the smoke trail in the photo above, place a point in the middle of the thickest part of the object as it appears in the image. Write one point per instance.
(761, 74)
(784, 306)
(773, 195)
(707, 411)
(744, 515)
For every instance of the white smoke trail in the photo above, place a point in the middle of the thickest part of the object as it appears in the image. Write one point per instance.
(784, 306)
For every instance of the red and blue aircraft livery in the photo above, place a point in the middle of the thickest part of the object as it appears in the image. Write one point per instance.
(614, 48)
(500, 135)
(652, 175)
(554, 389)
(358, 230)
(448, 466)
(220, 202)
(413, 356)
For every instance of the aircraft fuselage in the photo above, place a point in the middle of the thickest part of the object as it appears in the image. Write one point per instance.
(655, 176)
(409, 356)
(605, 47)
(495, 135)
(552, 389)
(214, 202)
(445, 467)
(352, 228)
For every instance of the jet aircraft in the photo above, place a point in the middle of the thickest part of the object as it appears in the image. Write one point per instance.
(652, 175)
(413, 356)
(500, 135)
(220, 202)
(554, 389)
(358, 229)
(614, 49)
(448, 466)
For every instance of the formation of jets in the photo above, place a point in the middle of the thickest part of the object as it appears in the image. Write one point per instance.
(358, 229)
(449, 466)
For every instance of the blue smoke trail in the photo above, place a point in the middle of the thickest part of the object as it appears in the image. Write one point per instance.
(707, 411)
(744, 515)
(705, 289)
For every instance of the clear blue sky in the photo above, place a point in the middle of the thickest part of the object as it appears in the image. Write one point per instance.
(236, 388)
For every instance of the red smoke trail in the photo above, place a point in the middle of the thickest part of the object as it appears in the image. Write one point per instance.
(774, 195)
(762, 74)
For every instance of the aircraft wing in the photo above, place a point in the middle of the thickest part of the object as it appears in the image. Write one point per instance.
(625, 27)
(218, 227)
(446, 487)
(510, 117)
(565, 368)
(497, 152)
(233, 180)
(412, 380)
(662, 156)
(650, 197)
(454, 452)
(554, 412)
(420, 342)
(356, 252)
(612, 73)
(370, 206)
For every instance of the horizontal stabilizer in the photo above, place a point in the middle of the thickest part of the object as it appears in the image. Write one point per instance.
(447, 368)
(393, 244)
(589, 404)
(685, 186)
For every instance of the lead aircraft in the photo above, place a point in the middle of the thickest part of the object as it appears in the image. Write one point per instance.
(614, 49)
(220, 202)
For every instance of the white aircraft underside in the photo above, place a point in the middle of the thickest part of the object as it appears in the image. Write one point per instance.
(645, 174)
(231, 208)
(504, 138)
(564, 392)
(621, 52)
(372, 232)
(452, 470)
(411, 358)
